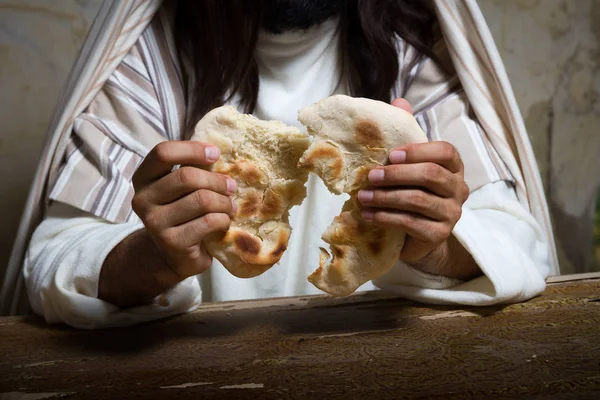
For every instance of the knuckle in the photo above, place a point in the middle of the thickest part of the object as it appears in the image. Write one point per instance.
(168, 238)
(411, 146)
(161, 151)
(407, 219)
(209, 221)
(383, 197)
(447, 151)
(138, 204)
(135, 180)
(216, 221)
(381, 218)
(457, 214)
(392, 175)
(417, 198)
(446, 231)
(433, 173)
(465, 192)
(152, 221)
(203, 199)
(186, 176)
(216, 182)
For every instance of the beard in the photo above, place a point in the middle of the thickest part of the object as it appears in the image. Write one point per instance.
(296, 15)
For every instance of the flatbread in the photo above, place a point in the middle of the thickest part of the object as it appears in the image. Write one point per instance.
(262, 157)
(351, 136)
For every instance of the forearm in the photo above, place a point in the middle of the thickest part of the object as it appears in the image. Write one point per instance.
(134, 272)
(451, 260)
(62, 269)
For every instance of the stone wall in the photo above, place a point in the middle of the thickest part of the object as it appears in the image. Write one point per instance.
(550, 48)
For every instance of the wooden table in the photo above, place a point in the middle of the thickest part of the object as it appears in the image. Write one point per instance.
(367, 346)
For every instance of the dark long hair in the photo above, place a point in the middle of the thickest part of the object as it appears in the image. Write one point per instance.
(217, 39)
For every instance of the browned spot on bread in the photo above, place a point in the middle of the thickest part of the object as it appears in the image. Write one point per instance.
(368, 133)
(281, 247)
(362, 227)
(249, 204)
(377, 236)
(271, 206)
(375, 246)
(246, 243)
(246, 172)
(328, 155)
(282, 241)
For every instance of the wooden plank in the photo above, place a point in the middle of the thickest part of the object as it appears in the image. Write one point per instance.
(365, 346)
(573, 277)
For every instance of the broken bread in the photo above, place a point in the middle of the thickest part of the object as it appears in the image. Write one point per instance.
(262, 157)
(351, 136)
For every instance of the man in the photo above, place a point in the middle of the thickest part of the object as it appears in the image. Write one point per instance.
(96, 261)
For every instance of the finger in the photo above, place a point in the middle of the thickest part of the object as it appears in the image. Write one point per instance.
(403, 104)
(186, 180)
(441, 153)
(188, 208)
(193, 232)
(164, 156)
(432, 176)
(410, 200)
(419, 227)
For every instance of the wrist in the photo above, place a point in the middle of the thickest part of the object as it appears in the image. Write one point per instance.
(450, 259)
(134, 272)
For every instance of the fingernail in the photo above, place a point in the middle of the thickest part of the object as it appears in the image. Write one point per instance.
(367, 215)
(365, 196)
(376, 175)
(397, 156)
(212, 153)
(234, 207)
(231, 186)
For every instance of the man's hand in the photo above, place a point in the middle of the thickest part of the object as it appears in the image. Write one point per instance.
(178, 209)
(422, 193)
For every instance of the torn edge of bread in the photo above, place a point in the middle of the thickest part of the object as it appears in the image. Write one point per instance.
(262, 157)
(351, 136)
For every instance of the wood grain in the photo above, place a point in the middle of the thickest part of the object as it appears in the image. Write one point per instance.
(366, 346)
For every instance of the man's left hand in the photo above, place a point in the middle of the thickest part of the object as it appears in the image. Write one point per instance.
(421, 192)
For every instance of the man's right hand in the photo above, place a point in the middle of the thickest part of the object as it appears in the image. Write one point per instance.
(178, 209)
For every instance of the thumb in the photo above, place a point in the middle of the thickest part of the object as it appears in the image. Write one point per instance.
(403, 104)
